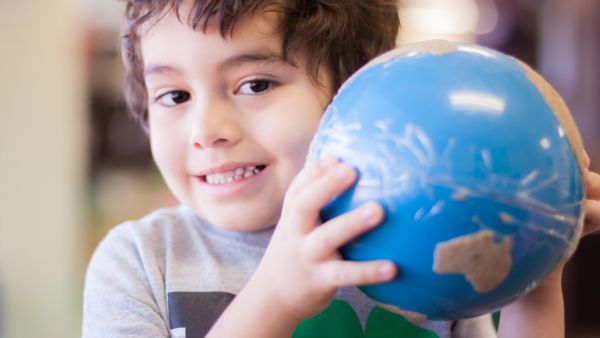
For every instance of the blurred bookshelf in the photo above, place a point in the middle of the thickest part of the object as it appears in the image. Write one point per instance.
(123, 182)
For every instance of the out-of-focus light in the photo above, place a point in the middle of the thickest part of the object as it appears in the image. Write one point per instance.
(488, 16)
(458, 20)
(442, 16)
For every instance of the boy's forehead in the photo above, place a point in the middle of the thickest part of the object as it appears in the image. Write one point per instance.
(171, 40)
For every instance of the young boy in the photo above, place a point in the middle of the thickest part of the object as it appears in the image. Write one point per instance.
(231, 93)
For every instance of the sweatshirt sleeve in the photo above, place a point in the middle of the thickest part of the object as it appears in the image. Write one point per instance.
(120, 295)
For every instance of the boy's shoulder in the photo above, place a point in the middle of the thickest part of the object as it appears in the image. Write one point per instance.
(145, 234)
(166, 230)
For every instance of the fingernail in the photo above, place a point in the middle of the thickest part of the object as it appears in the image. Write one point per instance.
(386, 269)
(343, 173)
(369, 213)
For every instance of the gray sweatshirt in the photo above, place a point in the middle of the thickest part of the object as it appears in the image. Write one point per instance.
(171, 274)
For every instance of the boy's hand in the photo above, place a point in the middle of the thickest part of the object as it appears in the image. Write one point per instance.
(539, 313)
(302, 267)
(592, 202)
(592, 213)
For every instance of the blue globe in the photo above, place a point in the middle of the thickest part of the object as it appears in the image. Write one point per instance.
(478, 165)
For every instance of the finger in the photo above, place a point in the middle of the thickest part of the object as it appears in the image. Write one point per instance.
(347, 273)
(592, 185)
(312, 198)
(592, 217)
(328, 237)
(310, 172)
(586, 159)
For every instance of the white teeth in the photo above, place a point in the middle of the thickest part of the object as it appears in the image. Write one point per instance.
(230, 176)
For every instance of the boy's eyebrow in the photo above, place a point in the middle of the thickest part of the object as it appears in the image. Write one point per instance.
(254, 57)
(236, 60)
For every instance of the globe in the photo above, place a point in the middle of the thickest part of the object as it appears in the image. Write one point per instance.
(478, 165)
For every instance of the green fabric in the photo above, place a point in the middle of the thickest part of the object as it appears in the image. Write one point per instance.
(496, 319)
(386, 324)
(340, 321)
(337, 321)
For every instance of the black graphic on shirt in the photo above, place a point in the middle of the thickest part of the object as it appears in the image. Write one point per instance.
(196, 311)
(192, 314)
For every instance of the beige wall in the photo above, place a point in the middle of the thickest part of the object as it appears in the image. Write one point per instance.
(42, 166)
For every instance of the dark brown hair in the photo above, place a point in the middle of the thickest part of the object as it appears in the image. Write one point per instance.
(341, 35)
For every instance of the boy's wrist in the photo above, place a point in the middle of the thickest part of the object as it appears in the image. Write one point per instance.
(261, 284)
(538, 313)
(555, 277)
(255, 312)
(549, 288)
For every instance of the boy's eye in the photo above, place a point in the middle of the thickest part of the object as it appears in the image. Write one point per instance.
(173, 98)
(255, 87)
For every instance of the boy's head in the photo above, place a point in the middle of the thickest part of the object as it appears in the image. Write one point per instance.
(232, 92)
(341, 35)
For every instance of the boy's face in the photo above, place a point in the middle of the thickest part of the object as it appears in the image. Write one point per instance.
(230, 121)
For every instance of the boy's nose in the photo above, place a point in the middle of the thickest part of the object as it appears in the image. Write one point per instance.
(215, 125)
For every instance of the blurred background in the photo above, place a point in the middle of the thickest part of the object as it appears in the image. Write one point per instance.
(73, 164)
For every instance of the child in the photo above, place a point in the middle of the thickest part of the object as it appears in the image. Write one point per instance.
(231, 93)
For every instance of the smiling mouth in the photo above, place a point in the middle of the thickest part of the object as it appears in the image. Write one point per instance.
(232, 175)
